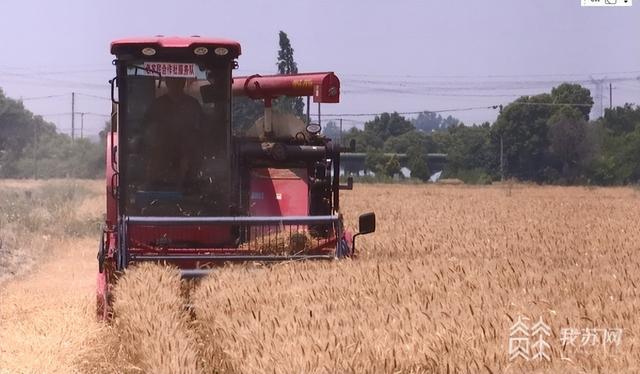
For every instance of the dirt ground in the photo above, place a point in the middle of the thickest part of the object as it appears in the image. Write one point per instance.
(47, 316)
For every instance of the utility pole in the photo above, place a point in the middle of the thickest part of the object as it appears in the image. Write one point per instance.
(81, 125)
(35, 151)
(599, 94)
(501, 159)
(73, 114)
(340, 142)
(610, 96)
(501, 152)
(601, 99)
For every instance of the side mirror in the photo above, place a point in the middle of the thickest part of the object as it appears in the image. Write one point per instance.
(367, 223)
(349, 186)
(114, 83)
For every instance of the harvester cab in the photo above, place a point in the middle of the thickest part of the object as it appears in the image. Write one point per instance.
(187, 188)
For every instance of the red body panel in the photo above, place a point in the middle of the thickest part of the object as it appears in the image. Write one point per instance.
(324, 87)
(279, 192)
(177, 42)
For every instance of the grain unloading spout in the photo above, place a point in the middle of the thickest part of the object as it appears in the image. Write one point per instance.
(323, 87)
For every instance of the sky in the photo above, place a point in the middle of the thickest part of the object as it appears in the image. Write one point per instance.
(458, 57)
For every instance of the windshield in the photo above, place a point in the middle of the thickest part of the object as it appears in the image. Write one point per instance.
(176, 140)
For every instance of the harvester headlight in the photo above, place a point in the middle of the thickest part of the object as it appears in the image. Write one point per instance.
(313, 128)
(201, 51)
(221, 51)
(148, 51)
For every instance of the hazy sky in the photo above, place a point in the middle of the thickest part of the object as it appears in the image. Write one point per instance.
(390, 55)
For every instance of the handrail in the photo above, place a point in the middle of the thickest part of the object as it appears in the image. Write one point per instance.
(276, 220)
(225, 258)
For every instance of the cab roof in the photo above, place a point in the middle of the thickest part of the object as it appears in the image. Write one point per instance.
(127, 45)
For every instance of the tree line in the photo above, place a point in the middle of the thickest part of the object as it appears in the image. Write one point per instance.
(31, 147)
(545, 138)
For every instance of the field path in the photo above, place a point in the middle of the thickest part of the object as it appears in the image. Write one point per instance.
(47, 317)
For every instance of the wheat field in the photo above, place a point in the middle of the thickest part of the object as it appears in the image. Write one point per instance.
(437, 289)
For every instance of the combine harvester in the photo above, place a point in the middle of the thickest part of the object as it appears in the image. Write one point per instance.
(185, 187)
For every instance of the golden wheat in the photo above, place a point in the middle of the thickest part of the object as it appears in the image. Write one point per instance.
(435, 289)
(151, 324)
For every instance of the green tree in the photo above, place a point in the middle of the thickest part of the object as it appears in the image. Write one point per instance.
(623, 155)
(30, 146)
(374, 160)
(621, 120)
(18, 129)
(571, 142)
(568, 93)
(388, 125)
(414, 138)
(364, 140)
(331, 131)
(522, 125)
(376, 132)
(287, 65)
(245, 112)
(430, 122)
(417, 163)
(391, 166)
(617, 160)
(470, 148)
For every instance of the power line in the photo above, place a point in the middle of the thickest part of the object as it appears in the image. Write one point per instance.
(69, 113)
(552, 104)
(455, 109)
(80, 67)
(40, 97)
(94, 96)
(490, 76)
(31, 79)
(62, 95)
(97, 114)
(438, 87)
(409, 113)
(398, 91)
(53, 114)
(83, 71)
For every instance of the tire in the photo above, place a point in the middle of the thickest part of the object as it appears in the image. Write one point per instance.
(343, 250)
(103, 299)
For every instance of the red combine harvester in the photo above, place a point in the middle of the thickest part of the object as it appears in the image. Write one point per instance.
(187, 187)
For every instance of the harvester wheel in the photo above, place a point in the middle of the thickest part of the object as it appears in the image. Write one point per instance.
(343, 250)
(103, 298)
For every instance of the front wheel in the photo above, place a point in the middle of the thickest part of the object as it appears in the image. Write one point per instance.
(343, 248)
(103, 297)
